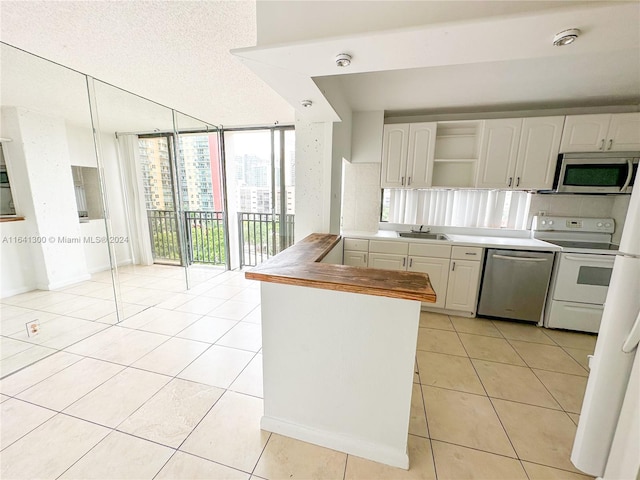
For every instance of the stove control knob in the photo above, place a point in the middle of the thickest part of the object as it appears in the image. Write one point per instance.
(599, 224)
(544, 222)
(607, 225)
(550, 222)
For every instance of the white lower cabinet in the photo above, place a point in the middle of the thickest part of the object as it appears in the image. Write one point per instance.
(454, 271)
(355, 259)
(355, 253)
(438, 271)
(387, 261)
(462, 286)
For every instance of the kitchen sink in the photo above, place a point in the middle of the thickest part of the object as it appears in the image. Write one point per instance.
(424, 236)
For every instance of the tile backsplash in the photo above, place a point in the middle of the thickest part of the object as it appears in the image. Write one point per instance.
(605, 206)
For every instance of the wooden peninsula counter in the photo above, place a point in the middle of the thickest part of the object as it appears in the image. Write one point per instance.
(339, 346)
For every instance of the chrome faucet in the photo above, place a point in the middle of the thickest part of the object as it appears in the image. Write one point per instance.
(420, 230)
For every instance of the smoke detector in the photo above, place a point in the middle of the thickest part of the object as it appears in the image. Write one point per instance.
(306, 103)
(566, 37)
(343, 60)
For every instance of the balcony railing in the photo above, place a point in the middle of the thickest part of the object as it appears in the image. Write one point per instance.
(261, 236)
(163, 228)
(206, 239)
(204, 234)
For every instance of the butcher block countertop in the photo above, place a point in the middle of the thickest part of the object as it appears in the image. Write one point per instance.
(300, 265)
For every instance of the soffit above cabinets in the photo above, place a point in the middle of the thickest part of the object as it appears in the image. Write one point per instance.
(505, 61)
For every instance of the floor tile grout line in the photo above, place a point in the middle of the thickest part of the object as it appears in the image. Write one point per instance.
(478, 449)
(504, 429)
(558, 346)
(551, 393)
(56, 412)
(261, 452)
(46, 378)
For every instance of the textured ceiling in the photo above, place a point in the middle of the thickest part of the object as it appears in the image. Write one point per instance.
(177, 53)
(173, 52)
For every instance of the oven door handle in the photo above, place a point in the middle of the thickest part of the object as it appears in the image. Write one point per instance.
(589, 258)
(521, 259)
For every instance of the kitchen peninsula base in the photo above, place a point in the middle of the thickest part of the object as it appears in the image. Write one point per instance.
(338, 369)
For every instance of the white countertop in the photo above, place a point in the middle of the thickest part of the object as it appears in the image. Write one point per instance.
(484, 241)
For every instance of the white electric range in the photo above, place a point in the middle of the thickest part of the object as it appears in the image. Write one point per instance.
(581, 272)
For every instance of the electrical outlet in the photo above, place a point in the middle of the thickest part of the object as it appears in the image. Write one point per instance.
(33, 328)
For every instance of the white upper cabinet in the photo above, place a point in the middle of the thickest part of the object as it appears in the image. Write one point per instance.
(624, 133)
(420, 159)
(538, 152)
(407, 155)
(601, 132)
(498, 153)
(395, 146)
(519, 153)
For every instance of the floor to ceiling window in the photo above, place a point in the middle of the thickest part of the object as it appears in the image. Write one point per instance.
(189, 190)
(260, 166)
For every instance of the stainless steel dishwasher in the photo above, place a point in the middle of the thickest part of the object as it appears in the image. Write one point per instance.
(515, 283)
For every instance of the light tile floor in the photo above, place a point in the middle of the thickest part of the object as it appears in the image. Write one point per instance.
(175, 390)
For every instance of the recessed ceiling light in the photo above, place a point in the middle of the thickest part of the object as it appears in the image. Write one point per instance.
(306, 103)
(566, 37)
(343, 60)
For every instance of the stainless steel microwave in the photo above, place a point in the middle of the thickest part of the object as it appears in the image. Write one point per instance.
(605, 172)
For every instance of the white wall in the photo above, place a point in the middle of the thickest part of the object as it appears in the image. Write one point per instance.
(361, 197)
(313, 178)
(43, 148)
(19, 260)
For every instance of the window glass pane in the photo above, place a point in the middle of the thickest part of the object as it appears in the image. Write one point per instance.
(456, 208)
(248, 156)
(156, 172)
(199, 171)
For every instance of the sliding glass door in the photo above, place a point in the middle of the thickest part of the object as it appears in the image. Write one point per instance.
(261, 191)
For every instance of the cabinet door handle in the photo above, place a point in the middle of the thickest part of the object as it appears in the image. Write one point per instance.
(409, 181)
(453, 266)
(402, 181)
(610, 144)
(517, 181)
(471, 253)
(365, 258)
(601, 145)
(404, 262)
(510, 181)
(410, 262)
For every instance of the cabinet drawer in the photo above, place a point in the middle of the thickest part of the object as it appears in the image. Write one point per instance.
(357, 244)
(430, 250)
(384, 246)
(466, 253)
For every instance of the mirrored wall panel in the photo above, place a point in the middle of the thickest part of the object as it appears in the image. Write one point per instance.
(200, 198)
(56, 278)
(136, 150)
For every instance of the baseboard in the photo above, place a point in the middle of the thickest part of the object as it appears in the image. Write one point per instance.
(16, 291)
(353, 446)
(71, 281)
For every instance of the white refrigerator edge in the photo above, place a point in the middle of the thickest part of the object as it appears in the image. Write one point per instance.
(607, 439)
